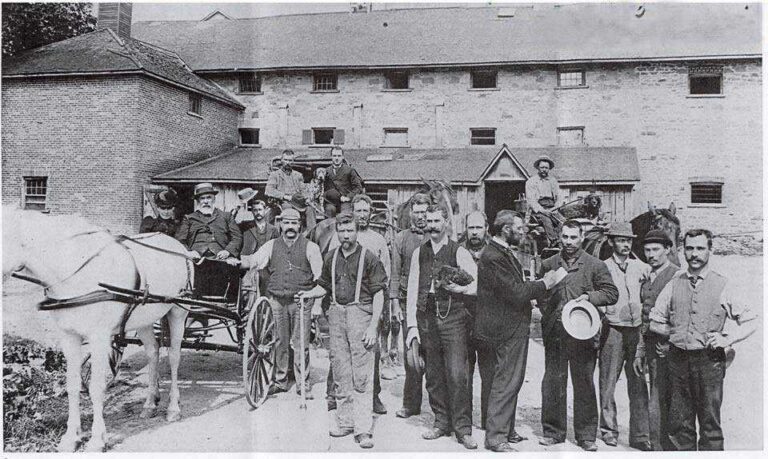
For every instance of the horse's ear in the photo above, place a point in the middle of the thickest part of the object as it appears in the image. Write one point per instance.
(672, 208)
(651, 208)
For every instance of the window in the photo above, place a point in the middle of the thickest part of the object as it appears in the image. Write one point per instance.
(395, 137)
(326, 82)
(249, 82)
(322, 136)
(571, 78)
(249, 136)
(482, 136)
(396, 80)
(484, 79)
(707, 191)
(195, 101)
(35, 192)
(570, 136)
(705, 80)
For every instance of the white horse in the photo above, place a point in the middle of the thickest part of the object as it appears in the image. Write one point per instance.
(71, 257)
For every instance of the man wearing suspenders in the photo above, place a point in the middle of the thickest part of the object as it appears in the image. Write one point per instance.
(356, 279)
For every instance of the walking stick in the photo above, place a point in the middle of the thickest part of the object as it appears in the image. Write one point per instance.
(302, 365)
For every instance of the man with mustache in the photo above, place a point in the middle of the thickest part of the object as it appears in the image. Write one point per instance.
(618, 343)
(342, 183)
(293, 264)
(438, 318)
(588, 279)
(405, 243)
(652, 349)
(208, 232)
(256, 232)
(542, 192)
(284, 183)
(692, 311)
(355, 278)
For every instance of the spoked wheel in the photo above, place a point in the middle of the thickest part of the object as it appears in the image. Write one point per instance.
(259, 352)
(115, 357)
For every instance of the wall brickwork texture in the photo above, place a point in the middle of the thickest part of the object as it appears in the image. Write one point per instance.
(100, 139)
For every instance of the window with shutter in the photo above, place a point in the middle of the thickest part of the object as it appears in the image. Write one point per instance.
(338, 136)
(322, 136)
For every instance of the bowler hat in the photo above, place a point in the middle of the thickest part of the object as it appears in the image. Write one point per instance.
(205, 188)
(544, 158)
(246, 194)
(414, 358)
(290, 214)
(580, 319)
(298, 202)
(621, 229)
(166, 199)
(658, 236)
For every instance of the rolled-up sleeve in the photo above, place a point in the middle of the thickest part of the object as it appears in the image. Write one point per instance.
(260, 258)
(376, 277)
(315, 259)
(660, 311)
(413, 289)
(325, 276)
(467, 263)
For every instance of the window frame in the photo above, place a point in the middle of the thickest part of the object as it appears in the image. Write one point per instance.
(240, 132)
(716, 185)
(561, 129)
(388, 82)
(560, 73)
(473, 73)
(195, 105)
(394, 130)
(256, 78)
(317, 76)
(706, 71)
(25, 194)
(473, 137)
(314, 135)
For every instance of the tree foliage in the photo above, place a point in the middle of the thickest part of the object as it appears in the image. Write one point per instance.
(29, 25)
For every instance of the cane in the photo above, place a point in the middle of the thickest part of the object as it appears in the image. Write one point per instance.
(302, 365)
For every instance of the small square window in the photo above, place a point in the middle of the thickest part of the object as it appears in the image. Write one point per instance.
(705, 84)
(249, 82)
(396, 80)
(35, 193)
(195, 103)
(482, 136)
(249, 136)
(706, 193)
(322, 136)
(326, 82)
(570, 136)
(571, 78)
(395, 137)
(484, 79)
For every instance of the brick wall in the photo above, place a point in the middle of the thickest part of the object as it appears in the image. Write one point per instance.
(98, 140)
(642, 105)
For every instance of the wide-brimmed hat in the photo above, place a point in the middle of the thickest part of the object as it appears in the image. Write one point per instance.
(544, 158)
(166, 199)
(414, 358)
(246, 194)
(298, 202)
(205, 188)
(290, 214)
(620, 229)
(580, 319)
(659, 237)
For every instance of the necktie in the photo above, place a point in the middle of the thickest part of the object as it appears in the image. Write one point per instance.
(693, 280)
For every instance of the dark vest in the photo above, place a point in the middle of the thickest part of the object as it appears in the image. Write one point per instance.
(427, 260)
(649, 291)
(289, 268)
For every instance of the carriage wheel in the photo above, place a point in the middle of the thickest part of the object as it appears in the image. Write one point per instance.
(259, 352)
(115, 357)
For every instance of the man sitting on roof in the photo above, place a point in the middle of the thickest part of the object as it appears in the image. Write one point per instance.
(285, 185)
(342, 183)
(542, 192)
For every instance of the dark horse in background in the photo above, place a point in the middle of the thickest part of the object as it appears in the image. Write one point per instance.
(657, 219)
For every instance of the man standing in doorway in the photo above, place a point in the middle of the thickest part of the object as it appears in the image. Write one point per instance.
(542, 193)
(342, 183)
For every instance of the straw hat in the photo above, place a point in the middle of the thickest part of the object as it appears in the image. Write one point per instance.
(544, 158)
(581, 319)
(205, 188)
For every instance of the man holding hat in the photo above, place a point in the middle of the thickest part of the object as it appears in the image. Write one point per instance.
(242, 215)
(652, 349)
(588, 279)
(208, 232)
(618, 342)
(166, 222)
(294, 264)
(542, 192)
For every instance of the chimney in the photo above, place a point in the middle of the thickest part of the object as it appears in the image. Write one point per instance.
(116, 16)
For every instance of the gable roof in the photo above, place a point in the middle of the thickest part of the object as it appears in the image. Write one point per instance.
(458, 165)
(464, 36)
(103, 52)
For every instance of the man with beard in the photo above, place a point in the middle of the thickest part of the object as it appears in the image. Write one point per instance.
(618, 343)
(438, 318)
(405, 243)
(692, 310)
(258, 232)
(588, 279)
(342, 183)
(377, 245)
(542, 193)
(356, 279)
(502, 328)
(208, 232)
(284, 183)
(652, 349)
(166, 221)
(294, 264)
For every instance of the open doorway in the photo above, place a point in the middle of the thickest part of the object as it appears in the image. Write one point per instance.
(502, 195)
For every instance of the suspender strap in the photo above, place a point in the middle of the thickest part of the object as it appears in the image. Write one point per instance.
(333, 274)
(359, 283)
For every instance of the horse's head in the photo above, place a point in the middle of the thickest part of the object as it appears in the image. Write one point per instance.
(665, 220)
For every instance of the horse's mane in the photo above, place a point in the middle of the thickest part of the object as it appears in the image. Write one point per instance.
(669, 215)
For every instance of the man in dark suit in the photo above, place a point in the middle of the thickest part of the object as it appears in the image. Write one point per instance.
(208, 232)
(256, 233)
(342, 183)
(502, 327)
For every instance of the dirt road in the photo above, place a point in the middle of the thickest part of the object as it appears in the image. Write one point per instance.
(216, 416)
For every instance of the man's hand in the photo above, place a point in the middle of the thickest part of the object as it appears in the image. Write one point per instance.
(194, 254)
(413, 333)
(317, 309)
(223, 255)
(231, 261)
(639, 366)
(583, 297)
(371, 334)
(303, 296)
(454, 288)
(662, 349)
(717, 341)
(344, 199)
(286, 197)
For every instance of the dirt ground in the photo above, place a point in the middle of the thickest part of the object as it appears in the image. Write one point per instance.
(216, 416)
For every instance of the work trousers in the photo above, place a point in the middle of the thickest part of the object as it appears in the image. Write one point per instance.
(562, 351)
(412, 389)
(330, 384)
(659, 399)
(617, 352)
(502, 368)
(445, 343)
(697, 393)
(473, 357)
(286, 314)
(352, 366)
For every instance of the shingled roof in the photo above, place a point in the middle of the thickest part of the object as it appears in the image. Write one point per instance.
(573, 164)
(544, 33)
(103, 52)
